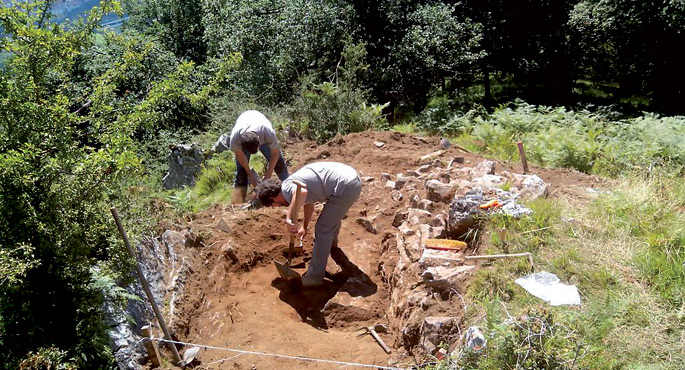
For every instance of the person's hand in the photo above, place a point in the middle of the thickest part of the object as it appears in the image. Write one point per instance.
(252, 180)
(302, 232)
(292, 227)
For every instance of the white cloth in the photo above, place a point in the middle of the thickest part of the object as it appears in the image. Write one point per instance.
(253, 121)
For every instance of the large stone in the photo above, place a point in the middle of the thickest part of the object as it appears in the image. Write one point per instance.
(185, 163)
(483, 168)
(443, 279)
(222, 144)
(434, 258)
(464, 214)
(489, 182)
(440, 192)
(437, 330)
(533, 187)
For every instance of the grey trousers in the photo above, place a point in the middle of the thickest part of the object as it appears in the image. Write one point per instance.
(328, 226)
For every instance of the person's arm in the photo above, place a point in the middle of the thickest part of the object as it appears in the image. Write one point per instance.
(297, 203)
(275, 154)
(308, 212)
(242, 160)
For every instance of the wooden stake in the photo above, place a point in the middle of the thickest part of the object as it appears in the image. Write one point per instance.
(146, 288)
(150, 346)
(522, 154)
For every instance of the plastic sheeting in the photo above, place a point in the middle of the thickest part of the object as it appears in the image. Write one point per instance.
(547, 287)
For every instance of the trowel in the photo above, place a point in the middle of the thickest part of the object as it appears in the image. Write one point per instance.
(284, 269)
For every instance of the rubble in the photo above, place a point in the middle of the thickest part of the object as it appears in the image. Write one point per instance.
(440, 192)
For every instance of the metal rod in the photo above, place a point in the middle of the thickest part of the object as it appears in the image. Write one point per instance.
(146, 287)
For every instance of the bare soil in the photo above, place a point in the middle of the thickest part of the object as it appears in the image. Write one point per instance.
(246, 306)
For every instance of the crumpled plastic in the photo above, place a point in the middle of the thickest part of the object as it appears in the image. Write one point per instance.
(549, 288)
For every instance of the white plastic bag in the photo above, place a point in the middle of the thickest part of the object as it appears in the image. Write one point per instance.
(547, 287)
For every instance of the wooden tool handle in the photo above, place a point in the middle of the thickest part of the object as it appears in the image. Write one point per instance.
(379, 340)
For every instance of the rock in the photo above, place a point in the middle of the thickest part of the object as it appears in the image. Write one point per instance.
(444, 143)
(230, 253)
(406, 230)
(367, 225)
(221, 145)
(400, 182)
(443, 279)
(533, 187)
(344, 307)
(414, 201)
(425, 168)
(427, 205)
(386, 176)
(489, 182)
(516, 210)
(396, 195)
(399, 218)
(390, 184)
(417, 217)
(185, 163)
(433, 258)
(444, 176)
(223, 226)
(413, 173)
(483, 168)
(437, 330)
(439, 192)
(368, 178)
(463, 214)
(378, 144)
(431, 232)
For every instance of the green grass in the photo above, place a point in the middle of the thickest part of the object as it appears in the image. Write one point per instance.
(213, 186)
(624, 252)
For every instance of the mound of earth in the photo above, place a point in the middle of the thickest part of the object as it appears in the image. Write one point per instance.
(234, 298)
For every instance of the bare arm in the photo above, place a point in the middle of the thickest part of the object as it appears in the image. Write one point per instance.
(242, 160)
(275, 154)
(295, 204)
(308, 212)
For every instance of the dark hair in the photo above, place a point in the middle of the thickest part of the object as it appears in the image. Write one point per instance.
(250, 142)
(267, 190)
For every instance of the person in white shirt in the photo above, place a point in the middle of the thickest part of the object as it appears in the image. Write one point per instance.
(253, 132)
(338, 186)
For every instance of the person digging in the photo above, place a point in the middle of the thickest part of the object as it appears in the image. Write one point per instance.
(253, 132)
(338, 186)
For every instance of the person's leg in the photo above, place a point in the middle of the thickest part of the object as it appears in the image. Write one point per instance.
(326, 231)
(281, 168)
(240, 182)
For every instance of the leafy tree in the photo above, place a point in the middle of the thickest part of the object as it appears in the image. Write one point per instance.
(52, 176)
(176, 24)
(279, 41)
(629, 44)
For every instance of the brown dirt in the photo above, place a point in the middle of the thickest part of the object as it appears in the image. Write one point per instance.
(246, 306)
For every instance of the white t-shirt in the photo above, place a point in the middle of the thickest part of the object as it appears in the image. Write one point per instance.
(323, 180)
(253, 121)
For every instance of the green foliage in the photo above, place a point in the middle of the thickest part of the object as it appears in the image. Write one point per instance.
(55, 169)
(324, 110)
(47, 359)
(532, 341)
(588, 142)
(177, 25)
(279, 41)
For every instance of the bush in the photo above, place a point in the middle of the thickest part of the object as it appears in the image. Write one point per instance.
(323, 110)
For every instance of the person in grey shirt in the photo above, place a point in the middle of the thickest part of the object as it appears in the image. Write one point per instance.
(336, 185)
(253, 132)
